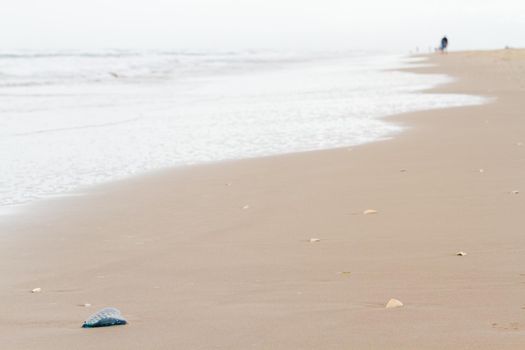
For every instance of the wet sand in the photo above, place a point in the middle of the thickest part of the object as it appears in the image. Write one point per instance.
(219, 256)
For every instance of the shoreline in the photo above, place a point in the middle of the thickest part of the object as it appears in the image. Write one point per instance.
(26, 183)
(191, 266)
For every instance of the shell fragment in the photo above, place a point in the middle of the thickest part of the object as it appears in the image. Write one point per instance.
(393, 303)
(370, 212)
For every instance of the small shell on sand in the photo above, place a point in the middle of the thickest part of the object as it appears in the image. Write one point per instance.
(36, 290)
(314, 240)
(393, 303)
(85, 305)
(246, 207)
(461, 253)
(515, 192)
(370, 211)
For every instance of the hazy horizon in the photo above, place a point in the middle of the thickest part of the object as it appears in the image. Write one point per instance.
(399, 26)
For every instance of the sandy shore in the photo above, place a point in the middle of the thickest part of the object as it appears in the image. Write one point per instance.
(219, 257)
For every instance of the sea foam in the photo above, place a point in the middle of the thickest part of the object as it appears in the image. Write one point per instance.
(70, 119)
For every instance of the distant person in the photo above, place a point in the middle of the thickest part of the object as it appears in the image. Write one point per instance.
(444, 44)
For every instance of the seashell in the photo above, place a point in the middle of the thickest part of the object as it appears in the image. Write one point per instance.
(85, 305)
(246, 207)
(36, 290)
(106, 317)
(314, 240)
(461, 253)
(393, 303)
(370, 211)
(515, 192)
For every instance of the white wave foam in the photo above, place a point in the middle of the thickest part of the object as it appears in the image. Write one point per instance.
(74, 124)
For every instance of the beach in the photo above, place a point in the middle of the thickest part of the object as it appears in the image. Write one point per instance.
(277, 252)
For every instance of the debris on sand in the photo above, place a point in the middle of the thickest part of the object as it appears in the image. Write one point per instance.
(393, 303)
(314, 240)
(370, 212)
(36, 290)
(246, 207)
(461, 254)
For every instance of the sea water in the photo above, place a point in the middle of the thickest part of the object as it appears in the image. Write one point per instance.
(71, 119)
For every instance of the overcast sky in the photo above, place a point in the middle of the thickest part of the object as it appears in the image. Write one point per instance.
(398, 25)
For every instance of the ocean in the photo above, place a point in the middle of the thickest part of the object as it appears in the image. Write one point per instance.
(70, 119)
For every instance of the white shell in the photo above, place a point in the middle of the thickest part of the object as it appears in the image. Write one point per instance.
(36, 290)
(393, 303)
(461, 253)
(314, 240)
(370, 211)
(246, 207)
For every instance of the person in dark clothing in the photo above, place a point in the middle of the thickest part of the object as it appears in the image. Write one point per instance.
(444, 44)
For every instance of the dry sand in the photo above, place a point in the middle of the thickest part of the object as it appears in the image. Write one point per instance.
(220, 256)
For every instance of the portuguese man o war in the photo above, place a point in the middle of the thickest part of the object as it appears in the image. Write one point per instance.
(106, 317)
